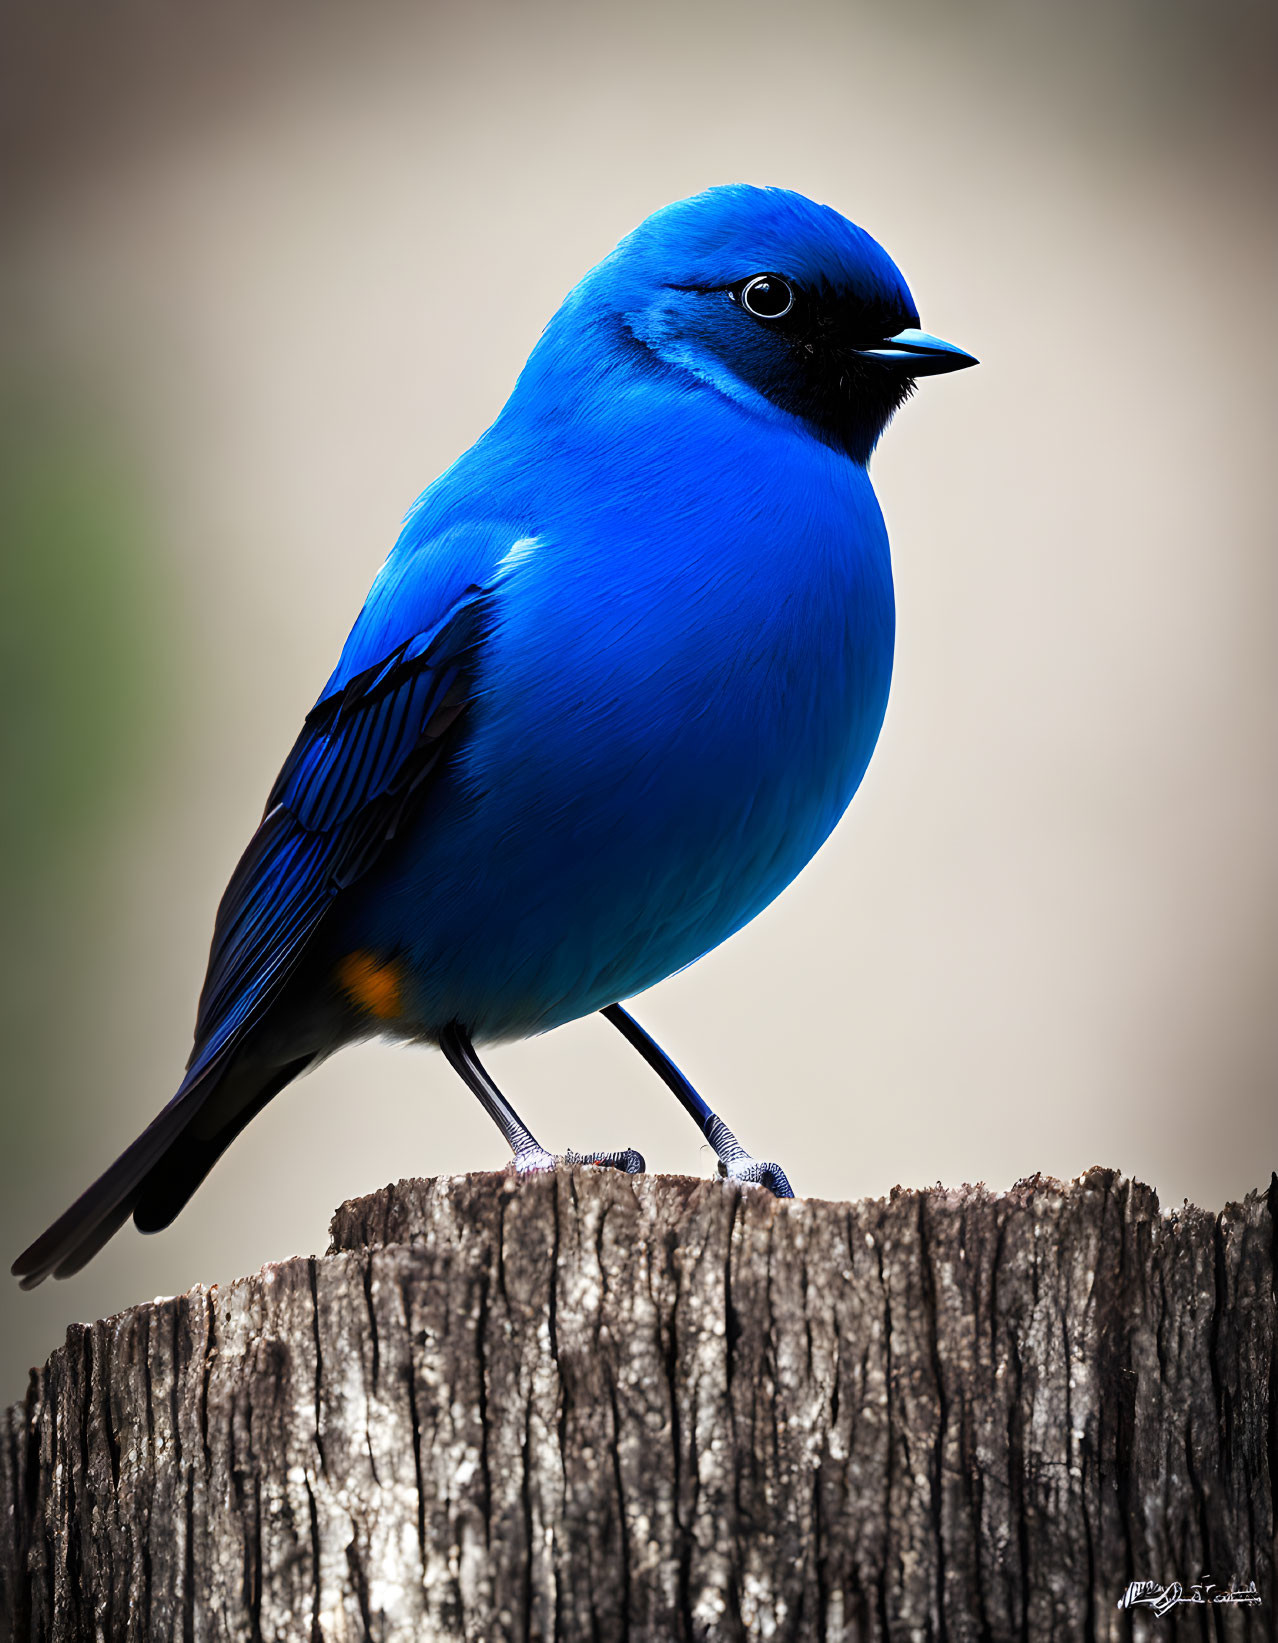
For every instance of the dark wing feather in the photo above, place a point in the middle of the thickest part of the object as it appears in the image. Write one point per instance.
(350, 781)
(344, 791)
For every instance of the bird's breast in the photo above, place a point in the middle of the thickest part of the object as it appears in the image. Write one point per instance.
(728, 630)
(678, 696)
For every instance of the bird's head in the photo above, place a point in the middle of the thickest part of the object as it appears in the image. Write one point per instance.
(774, 301)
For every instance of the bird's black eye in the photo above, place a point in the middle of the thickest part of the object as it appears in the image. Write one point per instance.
(766, 296)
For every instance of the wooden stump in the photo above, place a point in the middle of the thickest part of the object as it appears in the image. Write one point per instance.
(589, 1406)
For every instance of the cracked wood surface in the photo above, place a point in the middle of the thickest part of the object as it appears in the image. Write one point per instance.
(588, 1406)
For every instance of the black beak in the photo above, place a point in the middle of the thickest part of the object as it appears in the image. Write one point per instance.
(916, 354)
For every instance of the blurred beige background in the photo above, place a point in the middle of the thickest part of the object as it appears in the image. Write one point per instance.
(265, 271)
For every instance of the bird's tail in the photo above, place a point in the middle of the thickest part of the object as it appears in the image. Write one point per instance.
(152, 1179)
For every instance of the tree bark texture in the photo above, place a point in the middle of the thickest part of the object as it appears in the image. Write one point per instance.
(589, 1406)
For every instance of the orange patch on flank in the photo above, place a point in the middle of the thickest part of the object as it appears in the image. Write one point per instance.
(372, 986)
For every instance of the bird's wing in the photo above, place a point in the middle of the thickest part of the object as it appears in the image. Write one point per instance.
(355, 771)
(386, 719)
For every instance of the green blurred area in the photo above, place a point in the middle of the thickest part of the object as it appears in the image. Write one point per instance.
(81, 704)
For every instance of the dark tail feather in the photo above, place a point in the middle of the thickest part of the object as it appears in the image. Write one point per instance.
(78, 1234)
(150, 1180)
(168, 1187)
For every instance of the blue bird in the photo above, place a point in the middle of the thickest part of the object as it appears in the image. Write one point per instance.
(617, 681)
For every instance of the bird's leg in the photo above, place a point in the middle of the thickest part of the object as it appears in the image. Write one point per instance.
(457, 1047)
(734, 1161)
(529, 1153)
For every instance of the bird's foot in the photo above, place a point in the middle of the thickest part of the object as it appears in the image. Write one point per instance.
(758, 1172)
(531, 1160)
(628, 1162)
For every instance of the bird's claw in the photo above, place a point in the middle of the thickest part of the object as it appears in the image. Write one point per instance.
(537, 1158)
(629, 1162)
(759, 1172)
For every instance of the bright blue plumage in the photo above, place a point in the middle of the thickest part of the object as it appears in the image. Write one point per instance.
(680, 689)
(615, 684)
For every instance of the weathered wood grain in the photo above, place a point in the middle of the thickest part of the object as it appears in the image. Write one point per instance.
(588, 1406)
